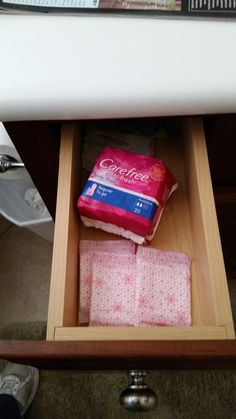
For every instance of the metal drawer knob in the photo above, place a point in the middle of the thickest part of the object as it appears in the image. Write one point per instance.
(138, 397)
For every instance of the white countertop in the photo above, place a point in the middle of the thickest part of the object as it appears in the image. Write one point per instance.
(72, 67)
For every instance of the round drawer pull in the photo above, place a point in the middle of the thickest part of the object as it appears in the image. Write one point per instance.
(138, 397)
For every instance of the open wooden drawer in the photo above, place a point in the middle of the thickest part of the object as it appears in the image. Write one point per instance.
(188, 224)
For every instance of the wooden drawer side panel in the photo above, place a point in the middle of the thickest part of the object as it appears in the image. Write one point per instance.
(212, 282)
(63, 306)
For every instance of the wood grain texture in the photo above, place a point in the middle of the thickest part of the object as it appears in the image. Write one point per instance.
(139, 334)
(63, 288)
(151, 355)
(209, 262)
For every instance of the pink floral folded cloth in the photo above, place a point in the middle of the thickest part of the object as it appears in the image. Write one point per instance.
(121, 288)
(88, 251)
(113, 290)
(163, 292)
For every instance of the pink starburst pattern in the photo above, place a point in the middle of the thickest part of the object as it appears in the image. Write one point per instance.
(91, 253)
(87, 281)
(98, 282)
(183, 319)
(117, 308)
(150, 288)
(143, 301)
(170, 299)
(161, 277)
(129, 279)
(115, 302)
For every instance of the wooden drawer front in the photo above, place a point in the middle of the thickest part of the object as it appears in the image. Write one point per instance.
(188, 224)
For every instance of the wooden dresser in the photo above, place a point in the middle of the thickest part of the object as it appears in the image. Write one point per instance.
(206, 197)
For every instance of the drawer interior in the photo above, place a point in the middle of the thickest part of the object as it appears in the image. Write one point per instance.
(188, 224)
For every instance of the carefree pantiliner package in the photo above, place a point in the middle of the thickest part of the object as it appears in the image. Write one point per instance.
(125, 194)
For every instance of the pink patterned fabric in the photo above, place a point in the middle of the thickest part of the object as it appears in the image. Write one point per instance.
(88, 252)
(112, 246)
(121, 288)
(113, 290)
(163, 292)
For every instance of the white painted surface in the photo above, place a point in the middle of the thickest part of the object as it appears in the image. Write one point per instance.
(71, 67)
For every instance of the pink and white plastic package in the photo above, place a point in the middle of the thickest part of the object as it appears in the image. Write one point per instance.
(125, 194)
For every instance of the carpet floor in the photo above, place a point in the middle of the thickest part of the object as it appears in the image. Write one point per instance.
(95, 395)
